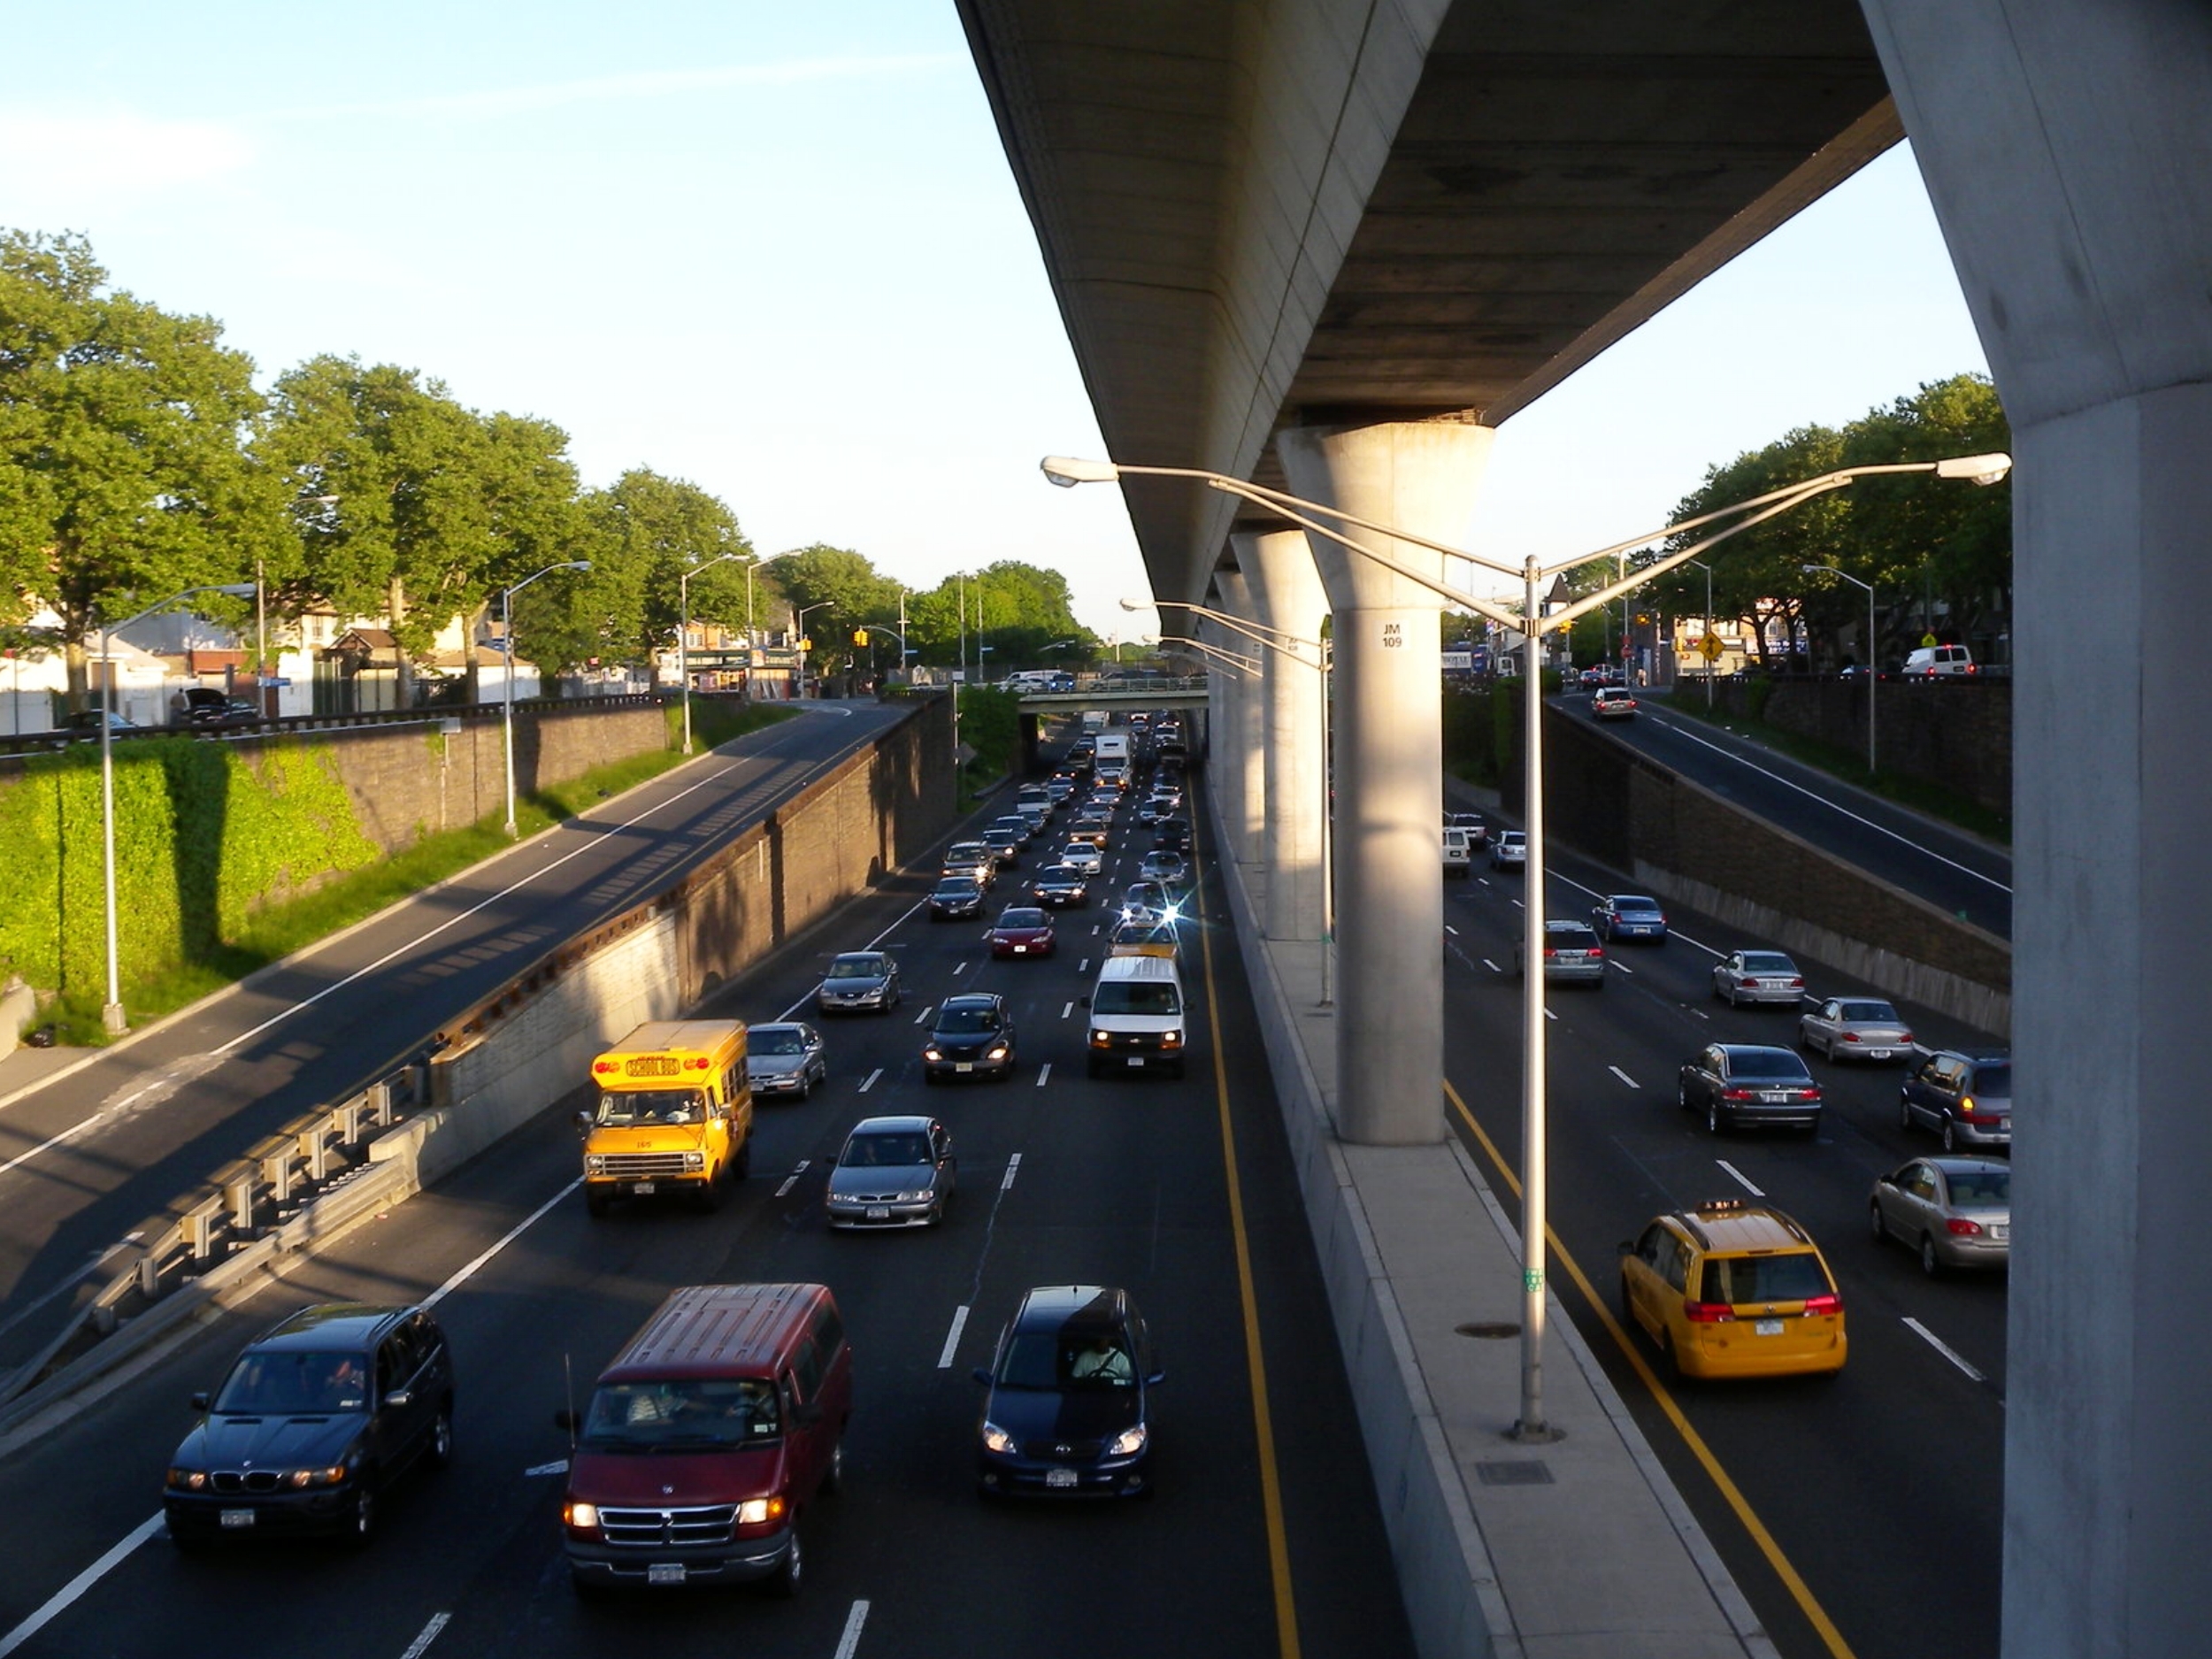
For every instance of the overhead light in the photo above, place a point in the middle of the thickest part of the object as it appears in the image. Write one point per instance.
(1068, 471)
(1982, 469)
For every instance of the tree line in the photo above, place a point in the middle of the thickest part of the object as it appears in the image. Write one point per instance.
(138, 458)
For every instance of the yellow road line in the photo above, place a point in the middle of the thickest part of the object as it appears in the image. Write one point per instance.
(1262, 1419)
(1800, 1591)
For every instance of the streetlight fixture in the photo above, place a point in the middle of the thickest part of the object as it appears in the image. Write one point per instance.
(507, 711)
(1981, 468)
(112, 1018)
(683, 629)
(1870, 676)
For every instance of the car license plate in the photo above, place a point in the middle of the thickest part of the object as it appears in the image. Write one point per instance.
(1019, 949)
(237, 1518)
(879, 1212)
(1059, 1476)
(1136, 1059)
(1776, 1097)
(1878, 1054)
(963, 1066)
(665, 1572)
(640, 1187)
(1767, 1327)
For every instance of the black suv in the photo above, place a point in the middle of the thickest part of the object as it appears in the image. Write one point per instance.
(1067, 1412)
(315, 1420)
(1964, 1096)
(973, 1037)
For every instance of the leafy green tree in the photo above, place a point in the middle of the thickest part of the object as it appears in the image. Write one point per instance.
(125, 474)
(642, 534)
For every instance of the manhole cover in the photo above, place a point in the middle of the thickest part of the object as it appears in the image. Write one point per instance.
(1518, 1473)
(1496, 1332)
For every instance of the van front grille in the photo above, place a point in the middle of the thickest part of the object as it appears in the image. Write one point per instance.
(651, 1529)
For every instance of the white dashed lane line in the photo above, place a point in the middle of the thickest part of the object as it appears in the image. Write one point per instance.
(1623, 1076)
(1739, 1178)
(1943, 1347)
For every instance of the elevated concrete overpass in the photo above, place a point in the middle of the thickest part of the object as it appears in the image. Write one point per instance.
(1331, 243)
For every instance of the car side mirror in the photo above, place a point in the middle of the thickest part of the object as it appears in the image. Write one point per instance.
(400, 1397)
(981, 1375)
(200, 1401)
(564, 1419)
(583, 1123)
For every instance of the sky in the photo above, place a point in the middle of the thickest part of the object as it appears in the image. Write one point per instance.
(776, 250)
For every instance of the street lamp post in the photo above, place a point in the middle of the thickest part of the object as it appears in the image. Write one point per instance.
(1869, 664)
(683, 630)
(111, 1018)
(1711, 661)
(798, 634)
(507, 711)
(1982, 469)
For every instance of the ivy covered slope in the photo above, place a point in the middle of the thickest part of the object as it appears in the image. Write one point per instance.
(204, 836)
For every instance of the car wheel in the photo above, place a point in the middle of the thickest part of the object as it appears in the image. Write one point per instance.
(1904, 1113)
(439, 1453)
(361, 1518)
(1876, 1225)
(1713, 1119)
(1670, 1362)
(1950, 1136)
(791, 1572)
(1930, 1263)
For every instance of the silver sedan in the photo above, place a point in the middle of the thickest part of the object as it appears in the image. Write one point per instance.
(1955, 1212)
(892, 1173)
(1757, 976)
(1855, 1028)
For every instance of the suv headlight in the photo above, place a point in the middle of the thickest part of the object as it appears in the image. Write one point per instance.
(1128, 1443)
(997, 1440)
(188, 1480)
(1101, 1039)
(1170, 1040)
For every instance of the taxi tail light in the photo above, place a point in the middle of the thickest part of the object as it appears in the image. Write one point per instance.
(1708, 1312)
(1823, 1307)
(1962, 1228)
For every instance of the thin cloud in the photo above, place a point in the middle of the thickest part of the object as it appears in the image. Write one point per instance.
(496, 102)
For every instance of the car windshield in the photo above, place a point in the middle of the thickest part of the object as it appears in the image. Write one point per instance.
(680, 1414)
(1052, 1360)
(1981, 1189)
(1023, 921)
(884, 1151)
(857, 968)
(1135, 996)
(1767, 961)
(1739, 1278)
(1768, 1063)
(648, 1106)
(288, 1382)
(1059, 875)
(956, 887)
(1880, 1011)
(1994, 1081)
(967, 1021)
(777, 1042)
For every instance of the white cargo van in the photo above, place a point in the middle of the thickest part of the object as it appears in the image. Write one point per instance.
(1930, 660)
(1139, 1017)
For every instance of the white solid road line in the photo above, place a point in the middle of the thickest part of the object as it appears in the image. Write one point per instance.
(1623, 1076)
(61, 1600)
(415, 1648)
(1741, 1179)
(952, 1338)
(484, 1257)
(1919, 1329)
(849, 1644)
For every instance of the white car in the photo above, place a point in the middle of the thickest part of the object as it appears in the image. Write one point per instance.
(1085, 857)
(1612, 703)
(1508, 849)
(1757, 976)
(1855, 1028)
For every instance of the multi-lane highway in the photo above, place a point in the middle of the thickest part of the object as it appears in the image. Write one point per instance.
(1264, 1531)
(1879, 1491)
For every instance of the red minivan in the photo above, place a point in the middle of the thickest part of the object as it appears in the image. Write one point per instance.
(706, 1439)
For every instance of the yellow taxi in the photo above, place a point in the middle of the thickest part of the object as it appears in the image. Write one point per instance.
(1734, 1289)
(1145, 933)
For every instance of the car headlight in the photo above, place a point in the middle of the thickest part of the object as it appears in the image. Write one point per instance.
(327, 1477)
(753, 1511)
(997, 1440)
(1101, 1040)
(188, 1480)
(998, 1053)
(694, 1160)
(1128, 1443)
(595, 1163)
(914, 1197)
(580, 1515)
(933, 1052)
(1170, 1040)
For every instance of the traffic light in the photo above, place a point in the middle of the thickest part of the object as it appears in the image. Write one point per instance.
(806, 645)
(860, 636)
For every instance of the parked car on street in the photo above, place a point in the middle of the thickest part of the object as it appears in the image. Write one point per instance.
(1855, 1028)
(1955, 1212)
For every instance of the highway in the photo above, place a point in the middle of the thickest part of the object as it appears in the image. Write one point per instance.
(1179, 1189)
(95, 1152)
(1880, 1488)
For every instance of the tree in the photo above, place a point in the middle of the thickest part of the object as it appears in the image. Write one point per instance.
(125, 475)
(642, 534)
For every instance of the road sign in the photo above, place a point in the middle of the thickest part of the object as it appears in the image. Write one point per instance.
(1928, 640)
(1710, 647)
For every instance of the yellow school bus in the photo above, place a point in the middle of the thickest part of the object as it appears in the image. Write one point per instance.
(674, 1114)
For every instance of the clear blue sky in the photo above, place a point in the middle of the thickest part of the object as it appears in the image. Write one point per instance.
(775, 249)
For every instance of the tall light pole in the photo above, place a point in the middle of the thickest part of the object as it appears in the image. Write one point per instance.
(798, 634)
(683, 630)
(507, 712)
(1712, 658)
(1870, 676)
(111, 1018)
(1982, 469)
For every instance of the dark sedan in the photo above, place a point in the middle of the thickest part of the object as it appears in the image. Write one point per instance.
(954, 897)
(313, 1422)
(1067, 1411)
(973, 1037)
(1747, 1086)
(1061, 886)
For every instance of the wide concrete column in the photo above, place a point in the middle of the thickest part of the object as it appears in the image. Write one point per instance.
(1422, 477)
(2066, 152)
(1286, 598)
(1248, 767)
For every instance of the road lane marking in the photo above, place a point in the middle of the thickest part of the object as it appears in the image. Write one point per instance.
(849, 1644)
(959, 968)
(870, 1081)
(952, 1338)
(924, 1015)
(1731, 1494)
(1082, 967)
(483, 1257)
(1493, 966)
(1743, 1179)
(558, 1466)
(1616, 962)
(792, 1179)
(60, 1601)
(1942, 1348)
(1623, 1076)
(1013, 1168)
(1548, 1014)
(415, 1648)
(1454, 931)
(1043, 1072)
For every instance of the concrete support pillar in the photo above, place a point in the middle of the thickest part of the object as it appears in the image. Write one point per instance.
(1286, 596)
(1422, 477)
(1247, 768)
(2066, 154)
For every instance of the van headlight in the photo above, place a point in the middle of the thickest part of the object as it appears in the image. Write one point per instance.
(753, 1511)
(1170, 1040)
(595, 1163)
(694, 1160)
(933, 1052)
(580, 1515)
(1099, 1039)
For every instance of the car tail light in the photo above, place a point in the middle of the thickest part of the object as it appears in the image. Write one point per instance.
(1851, 1036)
(1962, 1228)
(1593, 951)
(1735, 1094)
(1904, 1037)
(1708, 1312)
(1549, 953)
(1798, 983)
(1823, 1307)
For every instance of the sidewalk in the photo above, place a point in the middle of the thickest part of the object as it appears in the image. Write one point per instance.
(23, 1070)
(1579, 1549)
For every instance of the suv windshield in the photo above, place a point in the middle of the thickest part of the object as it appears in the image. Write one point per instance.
(681, 1414)
(1737, 1279)
(285, 1382)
